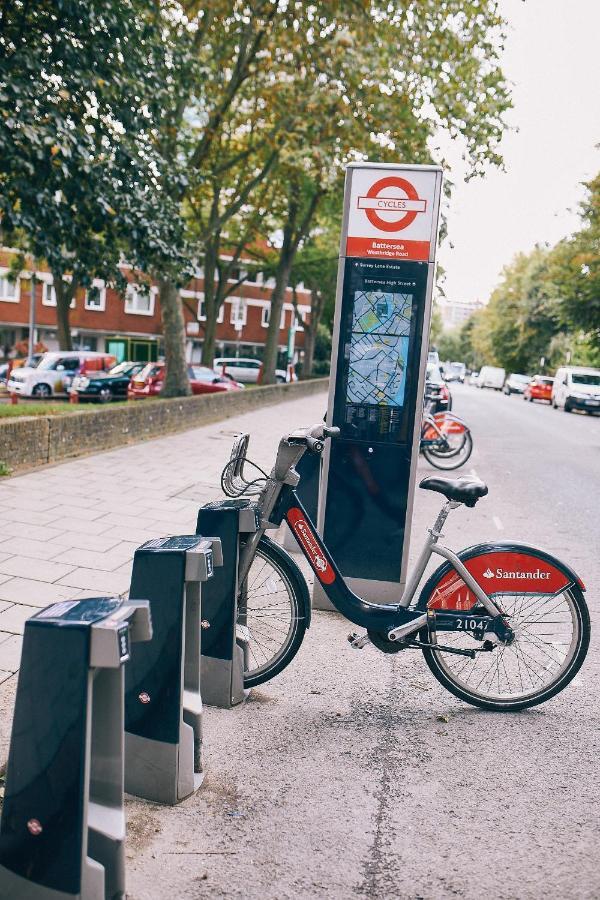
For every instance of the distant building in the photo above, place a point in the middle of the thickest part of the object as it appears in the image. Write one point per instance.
(455, 313)
(130, 327)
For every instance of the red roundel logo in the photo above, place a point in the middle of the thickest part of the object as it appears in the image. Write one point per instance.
(34, 827)
(404, 204)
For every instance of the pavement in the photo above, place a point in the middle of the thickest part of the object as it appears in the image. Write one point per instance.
(352, 774)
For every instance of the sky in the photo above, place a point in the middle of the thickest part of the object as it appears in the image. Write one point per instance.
(552, 59)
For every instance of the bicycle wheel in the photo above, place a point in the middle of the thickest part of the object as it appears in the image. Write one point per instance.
(274, 607)
(552, 635)
(459, 449)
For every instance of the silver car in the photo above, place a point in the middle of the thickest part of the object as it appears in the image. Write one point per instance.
(246, 371)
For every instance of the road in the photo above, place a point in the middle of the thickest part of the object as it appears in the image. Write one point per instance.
(356, 775)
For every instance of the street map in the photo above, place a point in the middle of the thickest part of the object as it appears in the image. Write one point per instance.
(379, 348)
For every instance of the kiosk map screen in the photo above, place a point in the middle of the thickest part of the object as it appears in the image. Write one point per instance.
(379, 348)
(381, 323)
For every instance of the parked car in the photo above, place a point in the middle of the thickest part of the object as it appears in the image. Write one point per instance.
(455, 371)
(53, 374)
(149, 382)
(435, 385)
(246, 371)
(576, 387)
(539, 388)
(3, 372)
(492, 377)
(102, 387)
(515, 384)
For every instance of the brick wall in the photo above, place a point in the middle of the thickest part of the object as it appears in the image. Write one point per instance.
(29, 442)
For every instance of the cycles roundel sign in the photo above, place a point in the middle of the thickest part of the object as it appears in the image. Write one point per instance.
(391, 212)
(404, 209)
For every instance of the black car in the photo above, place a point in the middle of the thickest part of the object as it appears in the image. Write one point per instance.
(437, 389)
(102, 387)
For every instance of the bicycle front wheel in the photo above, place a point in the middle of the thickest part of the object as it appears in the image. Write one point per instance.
(552, 635)
(454, 452)
(274, 610)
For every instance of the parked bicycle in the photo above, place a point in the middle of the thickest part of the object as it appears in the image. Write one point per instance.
(502, 626)
(446, 441)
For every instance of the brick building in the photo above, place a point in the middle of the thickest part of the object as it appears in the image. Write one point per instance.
(130, 327)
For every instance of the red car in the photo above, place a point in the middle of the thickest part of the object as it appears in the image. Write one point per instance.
(149, 382)
(539, 388)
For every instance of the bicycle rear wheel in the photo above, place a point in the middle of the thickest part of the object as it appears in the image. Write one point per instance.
(274, 608)
(552, 635)
(454, 453)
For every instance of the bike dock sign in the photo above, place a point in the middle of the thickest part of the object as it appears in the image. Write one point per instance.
(379, 354)
(392, 216)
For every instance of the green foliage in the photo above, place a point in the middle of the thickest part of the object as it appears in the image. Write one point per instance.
(547, 305)
(575, 272)
(81, 180)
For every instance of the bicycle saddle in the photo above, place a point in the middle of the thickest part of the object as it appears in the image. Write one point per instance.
(463, 490)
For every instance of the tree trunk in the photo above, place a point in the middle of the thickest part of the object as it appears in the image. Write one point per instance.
(211, 307)
(282, 278)
(64, 294)
(177, 383)
(309, 351)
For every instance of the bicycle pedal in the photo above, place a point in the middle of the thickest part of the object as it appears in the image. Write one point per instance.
(356, 641)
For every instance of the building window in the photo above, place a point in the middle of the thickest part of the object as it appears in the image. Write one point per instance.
(202, 312)
(95, 297)
(138, 302)
(266, 317)
(299, 320)
(10, 291)
(238, 312)
(49, 295)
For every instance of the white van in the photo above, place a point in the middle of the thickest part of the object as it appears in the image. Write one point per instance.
(576, 387)
(492, 377)
(53, 374)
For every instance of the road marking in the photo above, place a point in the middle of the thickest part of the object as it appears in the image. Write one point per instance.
(498, 523)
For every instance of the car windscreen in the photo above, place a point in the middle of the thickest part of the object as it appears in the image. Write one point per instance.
(202, 373)
(434, 374)
(589, 380)
(123, 368)
(149, 371)
(49, 362)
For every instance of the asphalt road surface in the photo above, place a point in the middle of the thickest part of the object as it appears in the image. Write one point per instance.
(354, 774)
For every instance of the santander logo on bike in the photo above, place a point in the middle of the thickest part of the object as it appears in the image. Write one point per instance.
(502, 573)
(310, 545)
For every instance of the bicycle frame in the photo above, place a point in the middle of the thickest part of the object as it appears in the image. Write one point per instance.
(279, 501)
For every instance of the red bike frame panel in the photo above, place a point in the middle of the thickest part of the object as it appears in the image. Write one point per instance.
(447, 424)
(504, 571)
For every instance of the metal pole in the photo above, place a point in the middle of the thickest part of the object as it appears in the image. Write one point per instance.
(31, 347)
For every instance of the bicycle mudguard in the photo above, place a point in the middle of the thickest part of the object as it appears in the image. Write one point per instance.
(503, 567)
(447, 423)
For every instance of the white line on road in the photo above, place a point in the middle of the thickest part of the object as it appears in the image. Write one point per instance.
(498, 523)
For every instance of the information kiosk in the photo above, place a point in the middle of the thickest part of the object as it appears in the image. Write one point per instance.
(379, 355)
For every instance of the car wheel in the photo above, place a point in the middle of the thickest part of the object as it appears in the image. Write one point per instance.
(280, 379)
(42, 391)
(568, 406)
(531, 399)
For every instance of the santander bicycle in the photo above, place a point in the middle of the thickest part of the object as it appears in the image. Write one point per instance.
(502, 626)
(446, 441)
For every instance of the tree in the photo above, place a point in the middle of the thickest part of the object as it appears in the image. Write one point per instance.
(81, 182)
(515, 329)
(389, 80)
(575, 271)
